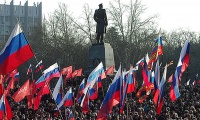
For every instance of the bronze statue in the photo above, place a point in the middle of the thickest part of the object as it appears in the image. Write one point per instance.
(101, 18)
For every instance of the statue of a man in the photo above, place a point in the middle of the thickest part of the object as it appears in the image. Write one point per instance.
(101, 18)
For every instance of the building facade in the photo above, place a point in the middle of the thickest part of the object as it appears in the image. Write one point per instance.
(28, 16)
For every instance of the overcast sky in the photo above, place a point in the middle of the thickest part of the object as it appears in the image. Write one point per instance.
(173, 14)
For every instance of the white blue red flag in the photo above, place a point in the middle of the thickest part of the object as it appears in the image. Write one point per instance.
(181, 67)
(112, 96)
(57, 94)
(15, 52)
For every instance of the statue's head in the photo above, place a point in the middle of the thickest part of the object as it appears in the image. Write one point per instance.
(101, 5)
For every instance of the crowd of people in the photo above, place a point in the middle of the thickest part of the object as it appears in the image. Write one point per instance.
(186, 107)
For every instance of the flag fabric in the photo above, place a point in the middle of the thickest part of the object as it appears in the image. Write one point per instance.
(51, 72)
(145, 72)
(39, 66)
(194, 83)
(188, 82)
(67, 72)
(67, 99)
(170, 78)
(123, 90)
(85, 103)
(130, 81)
(93, 77)
(10, 75)
(5, 110)
(143, 92)
(77, 73)
(57, 95)
(112, 96)
(23, 91)
(181, 67)
(140, 62)
(16, 77)
(159, 95)
(71, 115)
(157, 76)
(43, 91)
(10, 86)
(40, 82)
(93, 91)
(15, 52)
(30, 98)
(13, 73)
(80, 91)
(157, 51)
(110, 70)
(29, 71)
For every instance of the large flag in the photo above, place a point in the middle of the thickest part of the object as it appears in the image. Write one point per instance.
(77, 73)
(181, 67)
(80, 91)
(44, 90)
(5, 110)
(112, 97)
(157, 51)
(57, 95)
(23, 91)
(68, 72)
(159, 95)
(15, 52)
(93, 77)
(67, 99)
(39, 66)
(51, 72)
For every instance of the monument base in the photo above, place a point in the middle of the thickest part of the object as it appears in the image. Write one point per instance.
(100, 52)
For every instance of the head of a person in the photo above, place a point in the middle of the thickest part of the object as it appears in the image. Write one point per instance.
(101, 5)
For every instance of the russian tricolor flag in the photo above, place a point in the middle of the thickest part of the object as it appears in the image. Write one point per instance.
(157, 51)
(93, 77)
(39, 66)
(131, 81)
(80, 91)
(181, 67)
(159, 95)
(5, 109)
(112, 97)
(29, 71)
(40, 82)
(67, 100)
(157, 76)
(51, 72)
(145, 72)
(15, 52)
(57, 95)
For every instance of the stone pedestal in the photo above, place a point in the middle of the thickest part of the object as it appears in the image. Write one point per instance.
(101, 52)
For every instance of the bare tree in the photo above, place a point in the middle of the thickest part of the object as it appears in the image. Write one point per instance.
(127, 18)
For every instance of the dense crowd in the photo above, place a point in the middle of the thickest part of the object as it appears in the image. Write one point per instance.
(186, 107)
